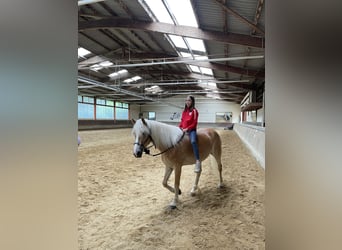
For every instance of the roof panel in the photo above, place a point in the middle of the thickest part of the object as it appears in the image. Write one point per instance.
(134, 44)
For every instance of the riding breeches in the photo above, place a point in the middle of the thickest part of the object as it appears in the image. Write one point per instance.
(193, 140)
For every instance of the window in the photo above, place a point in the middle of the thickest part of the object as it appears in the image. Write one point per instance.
(85, 111)
(151, 115)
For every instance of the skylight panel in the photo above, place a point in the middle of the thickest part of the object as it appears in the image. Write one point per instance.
(195, 69)
(196, 44)
(183, 12)
(178, 41)
(206, 71)
(186, 55)
(201, 57)
(83, 52)
(159, 11)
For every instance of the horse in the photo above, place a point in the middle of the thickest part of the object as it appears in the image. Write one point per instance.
(176, 150)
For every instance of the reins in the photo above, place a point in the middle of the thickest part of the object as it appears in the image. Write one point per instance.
(165, 149)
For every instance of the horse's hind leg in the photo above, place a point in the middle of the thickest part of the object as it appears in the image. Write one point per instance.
(219, 166)
(195, 186)
(217, 152)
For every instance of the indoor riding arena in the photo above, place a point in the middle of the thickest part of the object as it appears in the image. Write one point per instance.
(149, 59)
(123, 204)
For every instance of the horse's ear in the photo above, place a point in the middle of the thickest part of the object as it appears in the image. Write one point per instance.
(133, 121)
(143, 121)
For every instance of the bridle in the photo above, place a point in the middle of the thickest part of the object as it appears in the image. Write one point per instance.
(146, 149)
(142, 145)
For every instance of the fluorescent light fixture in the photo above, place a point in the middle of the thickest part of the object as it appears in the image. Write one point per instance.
(112, 75)
(154, 89)
(132, 79)
(106, 63)
(136, 78)
(129, 80)
(122, 71)
(96, 67)
(118, 74)
(83, 2)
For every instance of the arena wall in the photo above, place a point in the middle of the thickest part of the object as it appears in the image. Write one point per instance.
(254, 138)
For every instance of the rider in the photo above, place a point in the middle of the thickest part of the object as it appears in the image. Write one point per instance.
(188, 124)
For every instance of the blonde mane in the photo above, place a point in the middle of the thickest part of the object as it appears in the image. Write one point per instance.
(164, 135)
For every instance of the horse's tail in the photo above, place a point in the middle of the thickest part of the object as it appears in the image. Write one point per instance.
(216, 150)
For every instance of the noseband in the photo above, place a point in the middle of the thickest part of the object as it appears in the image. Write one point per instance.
(146, 150)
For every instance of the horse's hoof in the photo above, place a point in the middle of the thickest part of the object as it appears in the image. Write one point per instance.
(172, 207)
(179, 192)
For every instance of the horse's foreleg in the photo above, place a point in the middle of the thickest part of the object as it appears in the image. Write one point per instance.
(195, 186)
(168, 172)
(178, 171)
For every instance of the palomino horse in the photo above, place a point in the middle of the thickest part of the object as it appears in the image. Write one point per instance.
(176, 150)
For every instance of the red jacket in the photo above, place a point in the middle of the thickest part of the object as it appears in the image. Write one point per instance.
(189, 119)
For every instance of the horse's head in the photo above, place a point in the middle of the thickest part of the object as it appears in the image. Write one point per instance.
(142, 137)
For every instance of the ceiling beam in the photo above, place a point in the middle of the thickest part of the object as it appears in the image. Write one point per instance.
(120, 90)
(228, 68)
(241, 18)
(215, 66)
(232, 38)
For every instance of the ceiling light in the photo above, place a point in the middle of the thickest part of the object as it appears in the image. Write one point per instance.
(106, 63)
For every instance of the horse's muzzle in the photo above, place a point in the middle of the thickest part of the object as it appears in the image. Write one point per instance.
(138, 154)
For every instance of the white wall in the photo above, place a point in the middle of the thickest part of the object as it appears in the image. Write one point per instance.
(134, 111)
(260, 115)
(207, 109)
(254, 139)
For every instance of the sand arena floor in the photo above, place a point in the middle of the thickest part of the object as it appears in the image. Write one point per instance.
(123, 205)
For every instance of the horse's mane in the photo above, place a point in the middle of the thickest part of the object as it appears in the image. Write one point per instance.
(164, 135)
